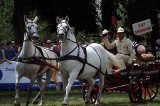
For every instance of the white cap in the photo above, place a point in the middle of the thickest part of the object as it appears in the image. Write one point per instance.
(49, 41)
(12, 41)
(104, 31)
(120, 30)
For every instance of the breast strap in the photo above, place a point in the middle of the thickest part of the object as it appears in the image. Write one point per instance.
(78, 58)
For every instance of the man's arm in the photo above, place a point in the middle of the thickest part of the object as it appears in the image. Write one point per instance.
(108, 44)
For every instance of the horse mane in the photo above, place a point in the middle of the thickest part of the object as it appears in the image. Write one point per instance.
(71, 29)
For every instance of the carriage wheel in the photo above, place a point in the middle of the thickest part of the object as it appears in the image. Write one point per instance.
(135, 91)
(93, 95)
(149, 88)
(143, 90)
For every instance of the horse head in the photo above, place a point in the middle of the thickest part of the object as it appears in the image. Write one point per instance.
(63, 28)
(31, 29)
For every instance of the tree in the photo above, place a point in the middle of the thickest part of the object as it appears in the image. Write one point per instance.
(82, 14)
(108, 10)
(21, 8)
(6, 28)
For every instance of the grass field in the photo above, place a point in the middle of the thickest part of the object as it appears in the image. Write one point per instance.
(54, 98)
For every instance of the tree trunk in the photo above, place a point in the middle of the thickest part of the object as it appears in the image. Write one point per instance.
(18, 19)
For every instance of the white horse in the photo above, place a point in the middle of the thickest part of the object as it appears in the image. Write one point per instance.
(78, 63)
(34, 70)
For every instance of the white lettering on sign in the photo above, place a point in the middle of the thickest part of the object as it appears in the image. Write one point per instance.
(142, 27)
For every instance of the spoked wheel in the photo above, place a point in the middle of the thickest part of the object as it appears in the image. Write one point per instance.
(149, 88)
(135, 91)
(143, 90)
(93, 95)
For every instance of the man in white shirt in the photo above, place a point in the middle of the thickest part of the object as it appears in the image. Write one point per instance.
(125, 52)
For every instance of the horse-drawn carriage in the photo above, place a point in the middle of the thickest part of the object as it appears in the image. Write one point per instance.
(140, 80)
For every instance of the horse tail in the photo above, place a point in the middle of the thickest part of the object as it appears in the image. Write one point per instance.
(115, 61)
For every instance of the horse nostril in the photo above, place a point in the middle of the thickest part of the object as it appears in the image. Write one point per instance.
(61, 35)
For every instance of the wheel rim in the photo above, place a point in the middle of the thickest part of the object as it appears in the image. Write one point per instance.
(149, 89)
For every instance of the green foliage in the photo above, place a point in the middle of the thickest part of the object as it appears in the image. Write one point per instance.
(6, 28)
(121, 12)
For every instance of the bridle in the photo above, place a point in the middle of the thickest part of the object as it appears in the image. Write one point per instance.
(64, 31)
(31, 29)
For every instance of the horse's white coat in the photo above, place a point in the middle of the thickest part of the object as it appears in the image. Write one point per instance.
(31, 70)
(96, 55)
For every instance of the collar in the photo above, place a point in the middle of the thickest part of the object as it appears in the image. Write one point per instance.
(122, 39)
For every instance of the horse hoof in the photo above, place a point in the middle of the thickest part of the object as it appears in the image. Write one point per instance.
(35, 102)
(87, 102)
(41, 104)
(97, 103)
(64, 105)
(16, 103)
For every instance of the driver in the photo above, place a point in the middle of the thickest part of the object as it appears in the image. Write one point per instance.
(125, 52)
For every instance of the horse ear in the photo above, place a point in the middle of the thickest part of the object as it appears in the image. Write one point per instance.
(25, 19)
(57, 19)
(35, 19)
(67, 19)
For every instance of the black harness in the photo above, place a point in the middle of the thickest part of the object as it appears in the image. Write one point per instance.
(78, 58)
(32, 60)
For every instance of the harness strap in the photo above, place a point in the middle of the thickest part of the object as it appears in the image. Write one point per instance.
(100, 61)
(32, 61)
(40, 50)
(85, 60)
(26, 60)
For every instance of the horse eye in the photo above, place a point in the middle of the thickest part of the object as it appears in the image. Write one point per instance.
(29, 27)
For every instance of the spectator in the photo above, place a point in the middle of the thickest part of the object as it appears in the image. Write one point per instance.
(56, 50)
(12, 44)
(125, 52)
(48, 44)
(9, 53)
(91, 41)
(2, 55)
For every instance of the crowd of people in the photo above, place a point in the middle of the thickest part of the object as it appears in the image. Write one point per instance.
(10, 50)
(7, 52)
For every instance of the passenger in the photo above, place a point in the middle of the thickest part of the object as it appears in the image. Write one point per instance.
(142, 54)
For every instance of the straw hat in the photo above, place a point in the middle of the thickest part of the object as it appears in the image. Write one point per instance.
(120, 30)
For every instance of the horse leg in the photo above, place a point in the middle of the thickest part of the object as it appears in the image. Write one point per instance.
(101, 84)
(71, 80)
(65, 81)
(35, 100)
(49, 73)
(55, 79)
(91, 83)
(29, 91)
(39, 81)
(17, 102)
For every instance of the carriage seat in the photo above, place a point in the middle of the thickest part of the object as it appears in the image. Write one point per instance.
(142, 61)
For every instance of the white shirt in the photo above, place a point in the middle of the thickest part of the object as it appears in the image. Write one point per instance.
(123, 47)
